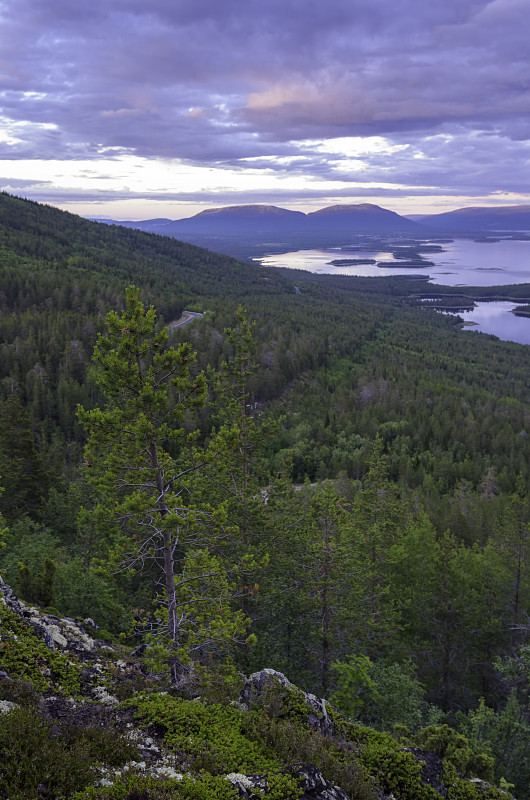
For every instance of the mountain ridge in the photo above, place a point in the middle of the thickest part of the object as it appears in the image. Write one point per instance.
(259, 219)
(478, 218)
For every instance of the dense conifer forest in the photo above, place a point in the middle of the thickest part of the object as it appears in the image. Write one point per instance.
(317, 476)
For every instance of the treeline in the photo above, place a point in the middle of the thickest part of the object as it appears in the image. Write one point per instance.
(376, 475)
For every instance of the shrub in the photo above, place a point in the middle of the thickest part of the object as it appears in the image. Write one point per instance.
(454, 748)
(138, 787)
(41, 758)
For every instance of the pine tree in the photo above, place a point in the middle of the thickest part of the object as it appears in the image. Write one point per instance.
(139, 466)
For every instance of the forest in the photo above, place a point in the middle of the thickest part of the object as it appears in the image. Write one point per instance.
(318, 476)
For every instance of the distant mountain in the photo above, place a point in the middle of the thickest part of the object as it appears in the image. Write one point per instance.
(500, 218)
(233, 220)
(362, 218)
(257, 220)
(147, 225)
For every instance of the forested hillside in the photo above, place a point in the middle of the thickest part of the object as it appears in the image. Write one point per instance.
(335, 486)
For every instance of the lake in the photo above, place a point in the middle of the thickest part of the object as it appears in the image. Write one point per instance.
(463, 262)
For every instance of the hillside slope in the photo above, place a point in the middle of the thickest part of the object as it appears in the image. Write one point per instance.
(80, 719)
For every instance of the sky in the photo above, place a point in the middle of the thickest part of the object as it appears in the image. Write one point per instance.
(135, 110)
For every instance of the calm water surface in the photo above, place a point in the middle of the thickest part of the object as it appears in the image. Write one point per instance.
(496, 318)
(463, 263)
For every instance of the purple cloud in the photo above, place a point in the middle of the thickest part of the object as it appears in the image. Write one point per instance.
(217, 83)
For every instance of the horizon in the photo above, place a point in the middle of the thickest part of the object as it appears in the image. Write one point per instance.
(125, 112)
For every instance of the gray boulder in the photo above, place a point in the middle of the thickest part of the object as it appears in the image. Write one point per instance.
(272, 690)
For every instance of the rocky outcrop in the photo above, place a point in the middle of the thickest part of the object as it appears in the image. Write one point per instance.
(314, 785)
(365, 762)
(270, 689)
(310, 780)
(58, 633)
(273, 692)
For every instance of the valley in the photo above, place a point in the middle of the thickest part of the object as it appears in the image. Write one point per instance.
(331, 475)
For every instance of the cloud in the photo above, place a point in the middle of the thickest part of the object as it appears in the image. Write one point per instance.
(211, 83)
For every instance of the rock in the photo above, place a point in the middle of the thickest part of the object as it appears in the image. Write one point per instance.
(57, 633)
(6, 706)
(248, 786)
(272, 689)
(260, 684)
(101, 694)
(314, 785)
(311, 781)
(10, 598)
(318, 717)
(43, 634)
(57, 636)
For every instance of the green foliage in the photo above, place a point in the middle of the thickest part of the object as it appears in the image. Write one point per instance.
(504, 735)
(42, 572)
(28, 545)
(292, 742)
(209, 735)
(212, 738)
(222, 739)
(21, 467)
(455, 748)
(140, 468)
(3, 527)
(354, 680)
(38, 588)
(81, 592)
(459, 789)
(396, 773)
(138, 787)
(24, 655)
(382, 695)
(40, 758)
(432, 564)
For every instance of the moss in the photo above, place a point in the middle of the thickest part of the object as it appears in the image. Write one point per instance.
(211, 739)
(455, 749)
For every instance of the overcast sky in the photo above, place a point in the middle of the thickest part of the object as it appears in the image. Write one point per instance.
(159, 108)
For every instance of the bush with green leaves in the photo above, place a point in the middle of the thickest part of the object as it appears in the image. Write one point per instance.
(29, 560)
(505, 735)
(80, 592)
(222, 739)
(455, 748)
(41, 758)
(292, 742)
(40, 570)
(397, 772)
(208, 737)
(139, 787)
(382, 695)
(460, 789)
